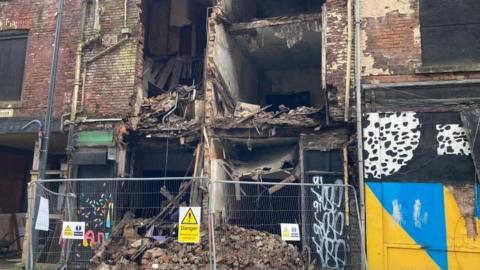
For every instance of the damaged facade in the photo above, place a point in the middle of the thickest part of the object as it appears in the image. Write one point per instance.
(261, 91)
(420, 76)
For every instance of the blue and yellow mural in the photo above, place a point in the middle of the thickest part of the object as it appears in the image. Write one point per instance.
(418, 226)
(422, 202)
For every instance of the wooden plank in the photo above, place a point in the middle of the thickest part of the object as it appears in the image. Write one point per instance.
(222, 88)
(176, 73)
(278, 187)
(166, 72)
(250, 116)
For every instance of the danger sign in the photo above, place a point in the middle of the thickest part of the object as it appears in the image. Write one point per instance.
(189, 225)
(73, 230)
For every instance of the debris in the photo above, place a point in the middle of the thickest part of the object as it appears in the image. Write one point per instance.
(301, 117)
(250, 116)
(170, 113)
(221, 88)
(239, 248)
(243, 109)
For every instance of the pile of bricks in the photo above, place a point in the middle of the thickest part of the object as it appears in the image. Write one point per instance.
(237, 248)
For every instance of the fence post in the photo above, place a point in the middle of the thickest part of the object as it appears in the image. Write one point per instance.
(211, 228)
(30, 227)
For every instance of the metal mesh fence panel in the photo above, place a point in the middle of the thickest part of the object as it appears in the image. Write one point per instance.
(247, 218)
(101, 204)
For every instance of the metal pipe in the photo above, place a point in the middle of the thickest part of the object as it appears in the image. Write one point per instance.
(324, 63)
(84, 81)
(101, 120)
(349, 61)
(358, 96)
(107, 50)
(51, 92)
(171, 111)
(415, 84)
(78, 63)
(31, 188)
(63, 180)
(125, 6)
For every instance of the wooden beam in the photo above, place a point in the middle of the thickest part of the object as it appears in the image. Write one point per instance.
(279, 186)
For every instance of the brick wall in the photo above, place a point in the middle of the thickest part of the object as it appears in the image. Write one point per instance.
(391, 44)
(336, 49)
(111, 79)
(38, 17)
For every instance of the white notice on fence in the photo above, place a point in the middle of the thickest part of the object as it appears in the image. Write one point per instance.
(290, 232)
(42, 218)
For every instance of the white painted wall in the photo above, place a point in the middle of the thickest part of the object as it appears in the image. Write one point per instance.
(238, 71)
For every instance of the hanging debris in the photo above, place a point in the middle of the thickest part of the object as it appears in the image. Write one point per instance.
(307, 117)
(170, 113)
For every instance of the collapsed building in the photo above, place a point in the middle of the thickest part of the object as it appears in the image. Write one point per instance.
(254, 91)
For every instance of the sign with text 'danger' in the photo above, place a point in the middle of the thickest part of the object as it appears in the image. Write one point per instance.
(189, 224)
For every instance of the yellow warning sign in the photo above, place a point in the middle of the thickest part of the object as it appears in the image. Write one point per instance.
(189, 218)
(189, 225)
(68, 232)
(286, 233)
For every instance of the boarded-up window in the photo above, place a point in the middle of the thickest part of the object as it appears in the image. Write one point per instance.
(450, 31)
(13, 45)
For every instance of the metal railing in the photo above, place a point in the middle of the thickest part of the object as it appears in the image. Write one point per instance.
(100, 203)
(326, 214)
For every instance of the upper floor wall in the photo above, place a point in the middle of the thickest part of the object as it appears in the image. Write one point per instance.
(111, 72)
(419, 40)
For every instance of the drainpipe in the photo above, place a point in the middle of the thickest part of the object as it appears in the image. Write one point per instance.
(51, 92)
(78, 63)
(358, 94)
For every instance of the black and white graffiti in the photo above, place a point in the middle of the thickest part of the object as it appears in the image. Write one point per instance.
(452, 140)
(389, 142)
(328, 226)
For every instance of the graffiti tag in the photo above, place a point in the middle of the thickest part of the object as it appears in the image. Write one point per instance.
(328, 227)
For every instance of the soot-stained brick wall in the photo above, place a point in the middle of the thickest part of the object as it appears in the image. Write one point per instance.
(336, 58)
(391, 47)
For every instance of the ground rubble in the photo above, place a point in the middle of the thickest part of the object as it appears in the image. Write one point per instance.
(236, 248)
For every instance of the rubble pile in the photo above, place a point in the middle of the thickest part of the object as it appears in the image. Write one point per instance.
(236, 248)
(306, 117)
(169, 112)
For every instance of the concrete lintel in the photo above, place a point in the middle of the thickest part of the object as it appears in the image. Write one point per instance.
(241, 28)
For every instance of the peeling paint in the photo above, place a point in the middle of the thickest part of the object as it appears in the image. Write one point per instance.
(368, 61)
(465, 197)
(417, 36)
(7, 24)
(390, 37)
(377, 9)
(293, 33)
